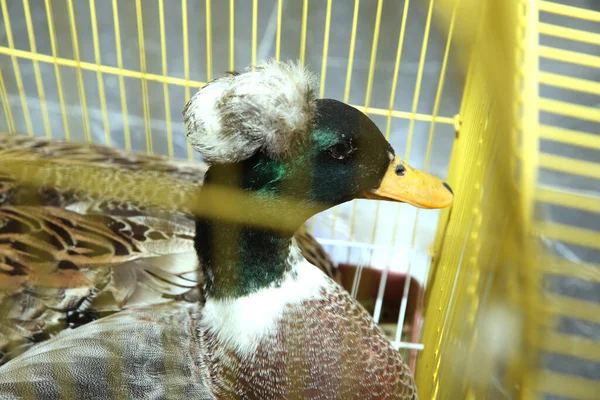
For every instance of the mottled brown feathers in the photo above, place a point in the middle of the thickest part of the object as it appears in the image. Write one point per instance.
(69, 257)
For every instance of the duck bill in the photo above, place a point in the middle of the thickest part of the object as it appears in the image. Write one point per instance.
(411, 186)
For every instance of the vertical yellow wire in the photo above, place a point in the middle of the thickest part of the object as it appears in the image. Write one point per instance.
(406, 288)
(373, 55)
(530, 116)
(325, 49)
(186, 63)
(440, 88)
(122, 92)
(140, 27)
(278, 39)
(163, 53)
(434, 113)
(351, 51)
(36, 70)
(347, 88)
(411, 127)
(231, 35)
(528, 124)
(16, 69)
(371, 75)
(303, 31)
(324, 68)
(80, 85)
(61, 97)
(254, 30)
(388, 126)
(6, 106)
(98, 61)
(436, 105)
(208, 42)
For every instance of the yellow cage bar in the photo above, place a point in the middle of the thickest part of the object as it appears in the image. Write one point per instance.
(510, 273)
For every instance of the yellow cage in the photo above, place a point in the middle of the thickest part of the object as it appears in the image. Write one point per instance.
(500, 96)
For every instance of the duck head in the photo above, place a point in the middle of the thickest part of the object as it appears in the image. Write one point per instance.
(264, 133)
(289, 155)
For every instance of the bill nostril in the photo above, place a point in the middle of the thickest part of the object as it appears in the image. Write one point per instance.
(400, 170)
(448, 187)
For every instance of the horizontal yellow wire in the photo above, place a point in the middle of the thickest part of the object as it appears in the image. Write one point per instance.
(569, 165)
(569, 11)
(566, 385)
(102, 68)
(571, 346)
(569, 234)
(569, 109)
(573, 57)
(191, 83)
(569, 136)
(558, 266)
(569, 33)
(570, 83)
(404, 114)
(574, 308)
(567, 199)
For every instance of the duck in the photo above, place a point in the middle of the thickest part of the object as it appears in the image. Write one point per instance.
(271, 325)
(68, 257)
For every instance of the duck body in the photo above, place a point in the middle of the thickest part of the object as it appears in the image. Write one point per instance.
(68, 257)
(325, 345)
(271, 325)
(146, 352)
(322, 339)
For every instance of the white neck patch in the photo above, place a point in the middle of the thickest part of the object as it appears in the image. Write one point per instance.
(241, 323)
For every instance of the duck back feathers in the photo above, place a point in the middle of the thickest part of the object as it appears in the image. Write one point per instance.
(68, 258)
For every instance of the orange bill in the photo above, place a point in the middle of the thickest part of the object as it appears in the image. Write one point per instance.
(405, 184)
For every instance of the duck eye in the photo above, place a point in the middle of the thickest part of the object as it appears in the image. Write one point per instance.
(340, 150)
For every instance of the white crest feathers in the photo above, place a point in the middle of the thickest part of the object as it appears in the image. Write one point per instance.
(272, 108)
